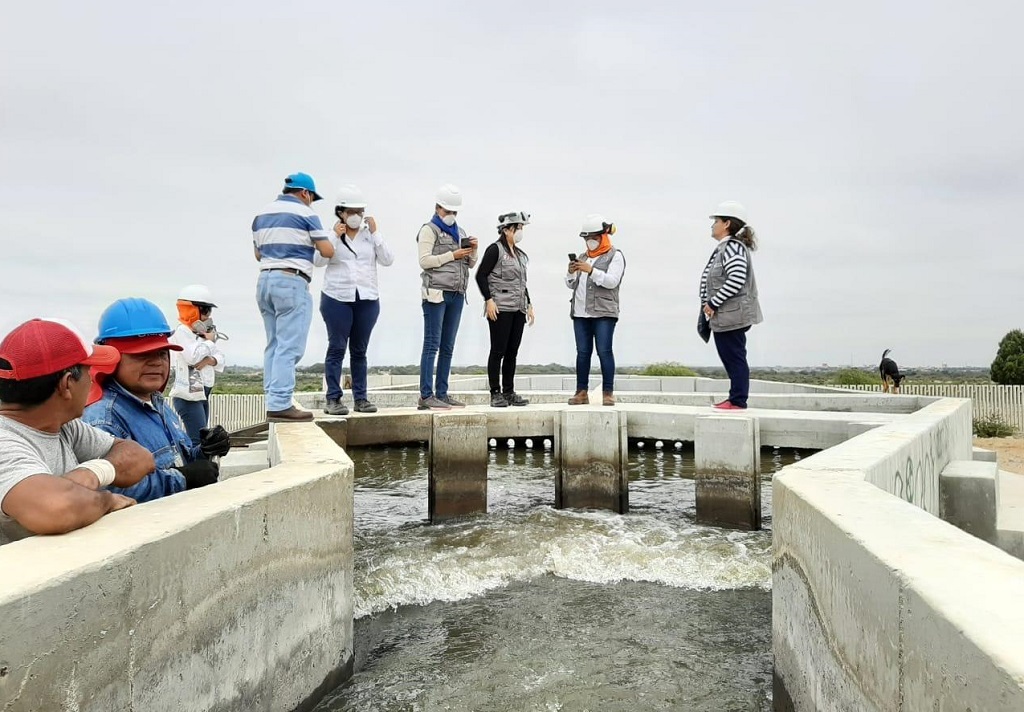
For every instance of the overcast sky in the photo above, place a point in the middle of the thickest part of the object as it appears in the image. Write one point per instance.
(878, 147)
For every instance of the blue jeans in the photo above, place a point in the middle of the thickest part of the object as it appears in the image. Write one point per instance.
(440, 327)
(732, 349)
(287, 310)
(347, 322)
(195, 415)
(588, 331)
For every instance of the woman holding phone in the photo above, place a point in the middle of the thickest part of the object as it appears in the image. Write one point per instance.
(502, 281)
(594, 278)
(446, 254)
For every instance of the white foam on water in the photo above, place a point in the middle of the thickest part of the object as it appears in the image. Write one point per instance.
(420, 564)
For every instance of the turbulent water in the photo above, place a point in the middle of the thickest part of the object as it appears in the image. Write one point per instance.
(534, 608)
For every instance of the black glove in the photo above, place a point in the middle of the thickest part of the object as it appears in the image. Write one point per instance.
(199, 473)
(214, 442)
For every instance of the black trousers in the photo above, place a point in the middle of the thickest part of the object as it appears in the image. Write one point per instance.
(506, 335)
(732, 349)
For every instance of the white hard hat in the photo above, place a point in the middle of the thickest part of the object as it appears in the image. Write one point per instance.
(507, 219)
(595, 223)
(449, 197)
(197, 294)
(730, 209)
(349, 196)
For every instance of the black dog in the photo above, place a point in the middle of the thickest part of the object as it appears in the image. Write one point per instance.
(890, 373)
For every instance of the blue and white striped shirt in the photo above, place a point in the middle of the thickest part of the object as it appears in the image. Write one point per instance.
(284, 233)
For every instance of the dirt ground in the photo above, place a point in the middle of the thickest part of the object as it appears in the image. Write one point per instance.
(1010, 452)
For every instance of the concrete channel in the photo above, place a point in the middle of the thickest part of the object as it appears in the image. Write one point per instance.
(239, 596)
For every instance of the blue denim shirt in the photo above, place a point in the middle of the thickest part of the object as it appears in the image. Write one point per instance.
(156, 427)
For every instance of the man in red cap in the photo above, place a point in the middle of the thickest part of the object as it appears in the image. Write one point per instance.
(128, 402)
(54, 467)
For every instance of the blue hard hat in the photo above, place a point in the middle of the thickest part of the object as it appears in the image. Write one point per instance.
(304, 181)
(132, 316)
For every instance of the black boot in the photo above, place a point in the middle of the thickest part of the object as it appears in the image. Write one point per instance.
(516, 399)
(498, 401)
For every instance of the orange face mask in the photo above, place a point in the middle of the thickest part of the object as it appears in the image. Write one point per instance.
(188, 313)
(604, 246)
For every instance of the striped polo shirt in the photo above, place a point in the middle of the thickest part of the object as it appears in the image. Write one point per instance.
(284, 233)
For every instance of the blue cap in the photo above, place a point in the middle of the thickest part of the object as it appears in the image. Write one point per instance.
(304, 181)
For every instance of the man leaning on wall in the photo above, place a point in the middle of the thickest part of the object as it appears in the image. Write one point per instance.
(53, 467)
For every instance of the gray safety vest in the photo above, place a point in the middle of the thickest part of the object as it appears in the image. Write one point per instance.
(452, 276)
(740, 310)
(600, 300)
(507, 281)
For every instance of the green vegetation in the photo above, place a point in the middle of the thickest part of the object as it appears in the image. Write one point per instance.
(666, 368)
(249, 379)
(854, 377)
(992, 426)
(237, 381)
(1008, 367)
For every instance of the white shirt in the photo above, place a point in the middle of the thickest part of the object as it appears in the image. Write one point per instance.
(25, 452)
(348, 273)
(608, 280)
(188, 383)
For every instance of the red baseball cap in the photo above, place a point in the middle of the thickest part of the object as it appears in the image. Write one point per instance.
(142, 344)
(43, 346)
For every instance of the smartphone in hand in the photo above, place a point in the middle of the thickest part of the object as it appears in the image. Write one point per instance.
(466, 243)
(572, 256)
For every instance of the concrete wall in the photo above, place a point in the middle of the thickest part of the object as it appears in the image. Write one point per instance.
(906, 457)
(877, 604)
(237, 596)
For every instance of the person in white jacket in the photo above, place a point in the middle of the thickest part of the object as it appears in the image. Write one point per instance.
(350, 297)
(196, 365)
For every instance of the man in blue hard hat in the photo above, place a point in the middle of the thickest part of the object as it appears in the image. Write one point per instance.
(285, 235)
(127, 402)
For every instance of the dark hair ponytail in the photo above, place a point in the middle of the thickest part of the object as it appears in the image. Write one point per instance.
(742, 232)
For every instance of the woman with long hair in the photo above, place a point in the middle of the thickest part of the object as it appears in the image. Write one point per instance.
(728, 296)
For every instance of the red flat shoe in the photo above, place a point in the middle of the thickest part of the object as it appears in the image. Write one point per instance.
(726, 405)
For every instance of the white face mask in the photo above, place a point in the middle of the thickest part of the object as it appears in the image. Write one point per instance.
(593, 244)
(448, 220)
(517, 236)
(354, 221)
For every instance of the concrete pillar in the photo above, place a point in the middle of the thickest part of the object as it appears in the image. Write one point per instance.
(591, 447)
(727, 450)
(982, 455)
(458, 465)
(969, 497)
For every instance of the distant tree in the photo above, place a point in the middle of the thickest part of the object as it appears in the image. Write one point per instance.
(1008, 368)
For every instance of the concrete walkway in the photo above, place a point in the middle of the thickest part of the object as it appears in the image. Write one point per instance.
(815, 430)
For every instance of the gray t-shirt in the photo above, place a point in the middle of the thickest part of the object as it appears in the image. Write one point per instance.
(25, 451)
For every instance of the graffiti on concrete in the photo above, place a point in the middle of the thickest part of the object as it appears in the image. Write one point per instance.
(917, 480)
